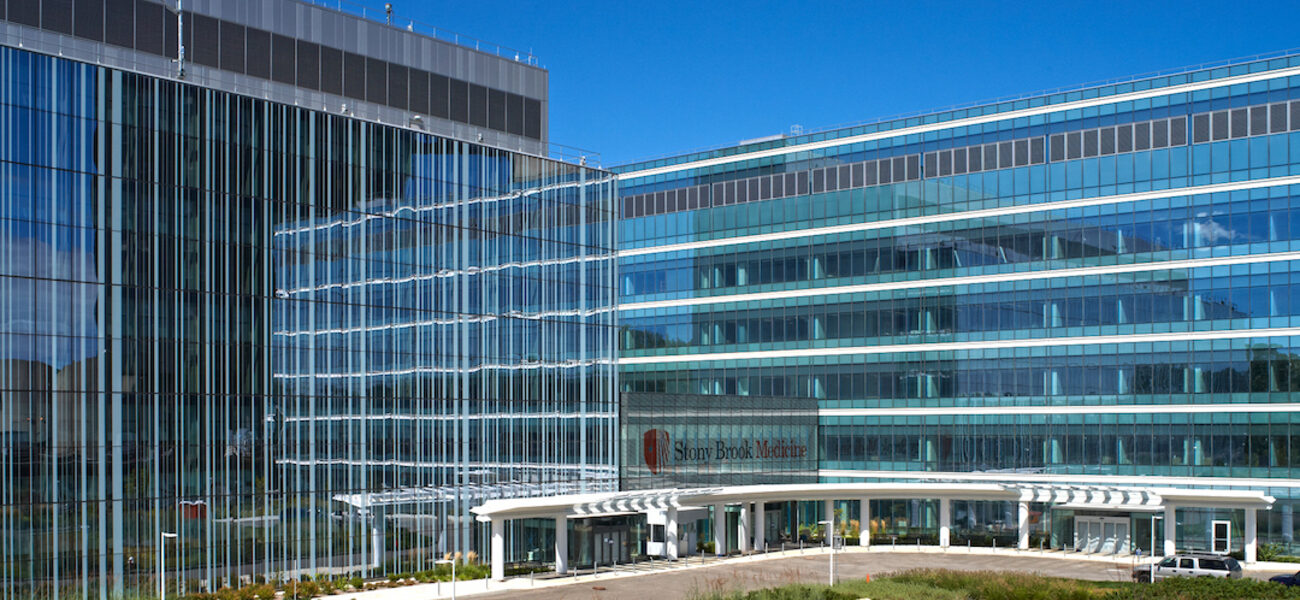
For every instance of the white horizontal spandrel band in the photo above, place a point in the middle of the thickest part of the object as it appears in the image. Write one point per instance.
(1190, 263)
(1002, 211)
(1099, 409)
(1188, 336)
(991, 118)
(1144, 480)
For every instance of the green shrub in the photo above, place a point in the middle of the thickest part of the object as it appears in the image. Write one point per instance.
(1275, 553)
(938, 584)
(876, 590)
(1000, 585)
(257, 591)
(887, 589)
(1207, 588)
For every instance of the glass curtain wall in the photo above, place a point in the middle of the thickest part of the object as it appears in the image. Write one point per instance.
(1077, 292)
(299, 342)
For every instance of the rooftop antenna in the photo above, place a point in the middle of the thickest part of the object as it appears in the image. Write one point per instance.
(388, 10)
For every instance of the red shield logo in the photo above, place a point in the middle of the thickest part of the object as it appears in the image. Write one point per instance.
(654, 448)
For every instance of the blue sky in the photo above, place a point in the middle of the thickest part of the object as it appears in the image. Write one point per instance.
(634, 80)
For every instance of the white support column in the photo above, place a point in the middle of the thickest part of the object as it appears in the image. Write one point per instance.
(670, 533)
(1288, 522)
(742, 528)
(864, 523)
(1252, 540)
(1171, 529)
(1022, 522)
(561, 545)
(945, 522)
(720, 529)
(760, 526)
(829, 511)
(498, 549)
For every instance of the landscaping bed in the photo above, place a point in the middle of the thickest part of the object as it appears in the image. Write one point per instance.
(937, 584)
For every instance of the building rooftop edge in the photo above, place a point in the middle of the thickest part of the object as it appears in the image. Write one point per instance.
(1044, 97)
(362, 11)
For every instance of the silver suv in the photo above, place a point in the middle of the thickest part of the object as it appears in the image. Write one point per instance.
(1190, 565)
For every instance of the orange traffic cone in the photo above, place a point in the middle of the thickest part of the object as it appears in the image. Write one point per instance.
(868, 577)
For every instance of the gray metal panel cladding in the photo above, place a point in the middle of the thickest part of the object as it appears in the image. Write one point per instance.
(219, 37)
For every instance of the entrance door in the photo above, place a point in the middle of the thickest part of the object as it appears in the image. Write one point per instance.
(1107, 545)
(1122, 539)
(1094, 536)
(1087, 534)
(733, 528)
(1114, 538)
(1102, 535)
(1222, 536)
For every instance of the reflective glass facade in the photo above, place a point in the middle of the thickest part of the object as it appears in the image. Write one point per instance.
(1099, 286)
(301, 342)
(705, 440)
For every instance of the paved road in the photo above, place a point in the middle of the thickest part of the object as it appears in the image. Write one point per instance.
(667, 585)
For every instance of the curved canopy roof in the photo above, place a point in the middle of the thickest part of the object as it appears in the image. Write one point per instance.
(1075, 496)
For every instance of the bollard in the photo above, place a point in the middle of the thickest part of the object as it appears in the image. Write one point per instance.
(968, 546)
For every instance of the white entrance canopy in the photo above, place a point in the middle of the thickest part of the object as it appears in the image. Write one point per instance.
(1088, 497)
(1081, 496)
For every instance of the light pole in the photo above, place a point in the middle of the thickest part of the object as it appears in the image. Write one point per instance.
(830, 535)
(453, 574)
(162, 563)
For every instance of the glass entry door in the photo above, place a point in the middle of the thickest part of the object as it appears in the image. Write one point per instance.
(1102, 535)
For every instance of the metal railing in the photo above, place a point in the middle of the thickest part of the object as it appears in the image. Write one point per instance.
(386, 15)
(573, 154)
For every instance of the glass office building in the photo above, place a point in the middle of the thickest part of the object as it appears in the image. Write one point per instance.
(276, 313)
(1099, 286)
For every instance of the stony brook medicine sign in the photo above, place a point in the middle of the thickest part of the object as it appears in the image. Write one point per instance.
(684, 440)
(659, 450)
